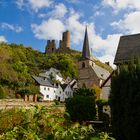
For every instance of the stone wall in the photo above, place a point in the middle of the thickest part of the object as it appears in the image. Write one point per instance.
(86, 75)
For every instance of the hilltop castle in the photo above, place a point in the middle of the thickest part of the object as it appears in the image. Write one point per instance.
(64, 44)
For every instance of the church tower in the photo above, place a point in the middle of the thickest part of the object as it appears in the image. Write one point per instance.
(89, 73)
(85, 66)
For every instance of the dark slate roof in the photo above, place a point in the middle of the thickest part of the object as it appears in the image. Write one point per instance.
(129, 46)
(86, 51)
(42, 81)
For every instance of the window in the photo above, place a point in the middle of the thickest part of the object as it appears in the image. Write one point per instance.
(47, 96)
(54, 91)
(48, 88)
(83, 65)
(60, 92)
(44, 88)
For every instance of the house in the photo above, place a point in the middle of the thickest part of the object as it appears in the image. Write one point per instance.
(53, 74)
(129, 46)
(89, 73)
(54, 88)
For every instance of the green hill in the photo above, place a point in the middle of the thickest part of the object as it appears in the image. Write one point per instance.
(18, 63)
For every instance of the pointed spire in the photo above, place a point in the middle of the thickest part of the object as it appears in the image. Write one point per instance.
(86, 51)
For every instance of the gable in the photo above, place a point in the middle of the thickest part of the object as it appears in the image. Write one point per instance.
(129, 46)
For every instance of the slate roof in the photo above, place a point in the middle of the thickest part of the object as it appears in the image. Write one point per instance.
(86, 51)
(129, 46)
(100, 72)
(42, 81)
(64, 86)
(44, 74)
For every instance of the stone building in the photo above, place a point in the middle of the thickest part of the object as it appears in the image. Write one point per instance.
(64, 44)
(89, 73)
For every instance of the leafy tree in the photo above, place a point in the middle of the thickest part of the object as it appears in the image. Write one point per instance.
(82, 106)
(125, 101)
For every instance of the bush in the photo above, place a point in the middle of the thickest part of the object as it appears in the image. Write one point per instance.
(82, 106)
(38, 123)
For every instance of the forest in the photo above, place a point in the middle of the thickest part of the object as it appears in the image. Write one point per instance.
(18, 63)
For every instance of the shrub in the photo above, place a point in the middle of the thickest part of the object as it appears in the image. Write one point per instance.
(82, 106)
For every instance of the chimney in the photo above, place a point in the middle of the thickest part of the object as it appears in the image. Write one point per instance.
(107, 63)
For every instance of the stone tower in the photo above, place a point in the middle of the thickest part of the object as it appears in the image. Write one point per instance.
(65, 42)
(50, 47)
(66, 39)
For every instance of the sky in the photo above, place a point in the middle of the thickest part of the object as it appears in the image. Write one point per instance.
(33, 22)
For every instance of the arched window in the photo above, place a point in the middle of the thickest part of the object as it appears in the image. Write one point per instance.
(83, 65)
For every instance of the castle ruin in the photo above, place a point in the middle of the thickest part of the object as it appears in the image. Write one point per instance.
(64, 44)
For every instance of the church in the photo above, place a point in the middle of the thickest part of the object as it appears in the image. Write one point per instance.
(89, 73)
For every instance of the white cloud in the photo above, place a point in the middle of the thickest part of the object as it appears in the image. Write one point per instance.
(107, 47)
(6, 26)
(35, 5)
(38, 4)
(51, 29)
(122, 4)
(76, 27)
(3, 39)
(59, 11)
(129, 23)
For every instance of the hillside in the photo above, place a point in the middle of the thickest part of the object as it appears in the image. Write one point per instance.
(18, 63)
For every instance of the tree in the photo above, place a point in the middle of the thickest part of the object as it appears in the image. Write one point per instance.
(82, 106)
(125, 101)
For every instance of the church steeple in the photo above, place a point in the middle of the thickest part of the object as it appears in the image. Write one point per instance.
(86, 51)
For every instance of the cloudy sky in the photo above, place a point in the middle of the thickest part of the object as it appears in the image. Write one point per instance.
(32, 22)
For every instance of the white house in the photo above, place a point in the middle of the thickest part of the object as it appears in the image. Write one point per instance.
(52, 90)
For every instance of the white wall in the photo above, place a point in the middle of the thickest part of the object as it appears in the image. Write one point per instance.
(105, 91)
(56, 93)
(68, 92)
(60, 94)
(48, 92)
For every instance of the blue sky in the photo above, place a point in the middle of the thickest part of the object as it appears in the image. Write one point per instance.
(33, 22)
